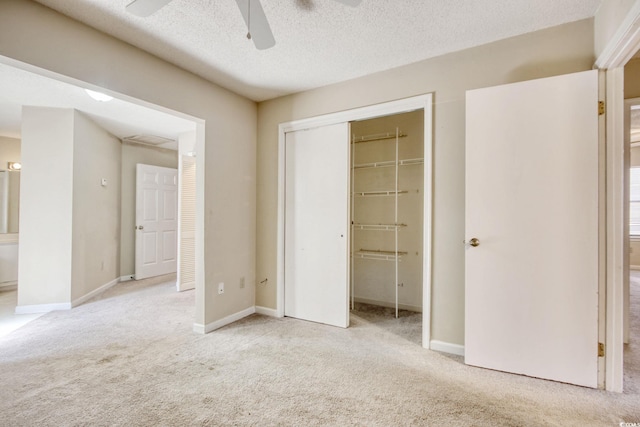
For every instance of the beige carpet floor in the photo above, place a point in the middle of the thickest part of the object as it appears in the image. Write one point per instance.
(632, 349)
(130, 358)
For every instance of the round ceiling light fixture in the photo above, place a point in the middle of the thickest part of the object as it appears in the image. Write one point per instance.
(98, 96)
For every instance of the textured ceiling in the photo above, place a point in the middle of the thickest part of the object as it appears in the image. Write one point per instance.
(318, 42)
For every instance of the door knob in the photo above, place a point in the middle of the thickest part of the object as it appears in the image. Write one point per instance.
(474, 242)
(141, 227)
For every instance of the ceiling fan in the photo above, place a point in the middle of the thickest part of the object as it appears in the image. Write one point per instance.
(258, 27)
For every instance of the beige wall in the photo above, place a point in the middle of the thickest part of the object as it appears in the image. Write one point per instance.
(45, 250)
(564, 49)
(632, 79)
(69, 243)
(131, 155)
(96, 208)
(9, 151)
(228, 159)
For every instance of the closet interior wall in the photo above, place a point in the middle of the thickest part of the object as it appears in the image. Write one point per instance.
(374, 217)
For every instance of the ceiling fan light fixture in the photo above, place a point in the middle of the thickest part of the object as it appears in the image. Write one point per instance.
(258, 29)
(260, 33)
(145, 8)
(249, 20)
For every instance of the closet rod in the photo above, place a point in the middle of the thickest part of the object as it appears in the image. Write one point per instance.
(378, 137)
(379, 193)
(378, 227)
(380, 251)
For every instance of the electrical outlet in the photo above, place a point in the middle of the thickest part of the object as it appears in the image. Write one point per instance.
(242, 283)
(220, 288)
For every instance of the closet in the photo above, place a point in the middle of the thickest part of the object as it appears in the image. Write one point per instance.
(387, 180)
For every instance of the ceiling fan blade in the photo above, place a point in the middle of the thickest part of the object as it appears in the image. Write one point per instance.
(144, 8)
(257, 23)
(352, 3)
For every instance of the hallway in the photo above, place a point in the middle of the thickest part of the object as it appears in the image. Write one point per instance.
(9, 320)
(632, 349)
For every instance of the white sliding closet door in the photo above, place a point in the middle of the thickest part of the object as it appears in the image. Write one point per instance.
(316, 224)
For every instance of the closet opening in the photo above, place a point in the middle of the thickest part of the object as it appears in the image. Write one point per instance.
(354, 218)
(387, 223)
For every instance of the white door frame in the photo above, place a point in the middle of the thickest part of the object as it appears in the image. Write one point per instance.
(620, 49)
(420, 102)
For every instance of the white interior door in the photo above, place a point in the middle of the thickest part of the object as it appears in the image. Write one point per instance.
(156, 220)
(532, 201)
(317, 224)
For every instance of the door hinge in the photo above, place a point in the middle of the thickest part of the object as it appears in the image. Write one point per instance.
(600, 108)
(600, 349)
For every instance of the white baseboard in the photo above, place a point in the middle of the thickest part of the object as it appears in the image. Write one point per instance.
(9, 286)
(634, 267)
(388, 304)
(42, 308)
(95, 292)
(185, 286)
(205, 329)
(447, 347)
(45, 308)
(266, 311)
(126, 278)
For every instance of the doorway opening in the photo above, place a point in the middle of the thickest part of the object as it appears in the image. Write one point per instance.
(121, 117)
(631, 286)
